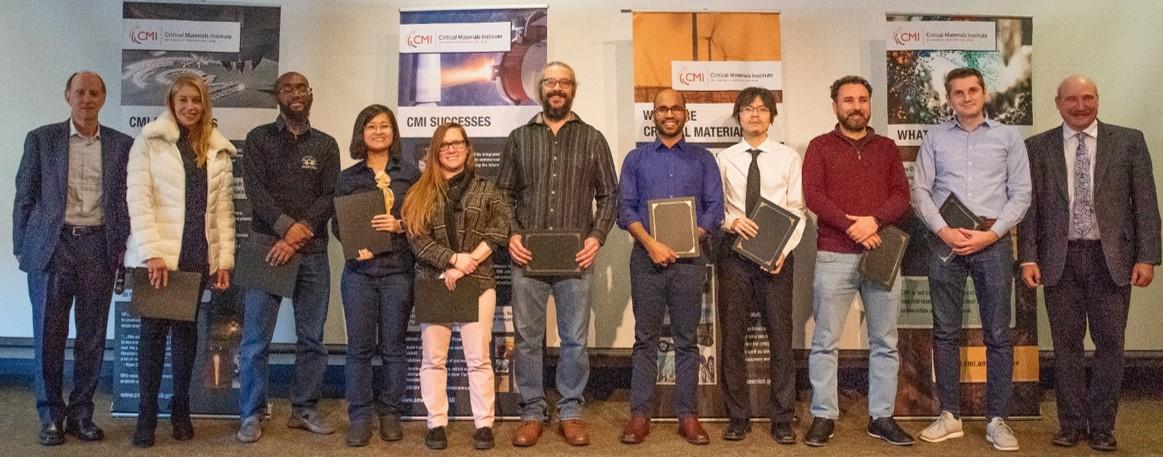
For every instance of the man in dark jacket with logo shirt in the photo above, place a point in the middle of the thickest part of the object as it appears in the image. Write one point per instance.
(289, 171)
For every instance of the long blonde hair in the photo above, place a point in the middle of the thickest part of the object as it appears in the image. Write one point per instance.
(199, 137)
(432, 184)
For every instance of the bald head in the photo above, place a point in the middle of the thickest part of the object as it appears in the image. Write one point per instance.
(1077, 102)
(669, 96)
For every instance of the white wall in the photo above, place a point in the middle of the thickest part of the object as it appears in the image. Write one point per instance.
(348, 50)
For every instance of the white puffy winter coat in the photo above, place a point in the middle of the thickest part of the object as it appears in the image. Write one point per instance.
(156, 194)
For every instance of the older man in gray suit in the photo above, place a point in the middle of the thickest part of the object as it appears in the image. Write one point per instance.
(1092, 232)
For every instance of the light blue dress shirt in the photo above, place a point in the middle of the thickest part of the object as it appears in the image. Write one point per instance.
(987, 168)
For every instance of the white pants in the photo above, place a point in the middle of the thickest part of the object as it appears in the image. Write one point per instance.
(475, 337)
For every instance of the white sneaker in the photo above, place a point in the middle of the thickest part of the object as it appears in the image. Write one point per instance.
(1000, 435)
(946, 426)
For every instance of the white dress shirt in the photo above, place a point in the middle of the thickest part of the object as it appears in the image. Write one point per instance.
(780, 182)
(83, 201)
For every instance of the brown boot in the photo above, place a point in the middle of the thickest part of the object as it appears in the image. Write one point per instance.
(574, 431)
(690, 428)
(527, 434)
(636, 430)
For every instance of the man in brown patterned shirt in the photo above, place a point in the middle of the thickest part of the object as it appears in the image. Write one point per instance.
(553, 170)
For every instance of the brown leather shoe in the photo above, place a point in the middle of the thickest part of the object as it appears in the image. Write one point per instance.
(527, 434)
(574, 431)
(636, 430)
(690, 428)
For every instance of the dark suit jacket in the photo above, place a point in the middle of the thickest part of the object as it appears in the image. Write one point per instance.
(42, 185)
(1124, 204)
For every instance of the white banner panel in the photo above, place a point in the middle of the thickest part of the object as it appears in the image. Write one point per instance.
(942, 35)
(173, 35)
(450, 37)
(725, 75)
(478, 121)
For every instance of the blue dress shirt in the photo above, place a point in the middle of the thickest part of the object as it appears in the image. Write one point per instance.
(654, 171)
(987, 168)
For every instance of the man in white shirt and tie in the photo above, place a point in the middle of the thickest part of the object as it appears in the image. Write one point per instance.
(757, 167)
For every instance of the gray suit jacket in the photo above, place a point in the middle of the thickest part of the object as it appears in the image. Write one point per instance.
(1124, 204)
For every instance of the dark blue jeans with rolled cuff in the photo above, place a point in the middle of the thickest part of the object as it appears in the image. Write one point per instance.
(376, 309)
(992, 270)
(655, 291)
(310, 301)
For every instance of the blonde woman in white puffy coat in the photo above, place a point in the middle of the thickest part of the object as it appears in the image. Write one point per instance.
(181, 217)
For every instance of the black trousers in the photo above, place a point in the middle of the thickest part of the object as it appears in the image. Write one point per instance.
(743, 287)
(78, 274)
(1086, 295)
(183, 338)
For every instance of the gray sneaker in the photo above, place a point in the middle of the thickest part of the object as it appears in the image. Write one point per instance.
(250, 430)
(311, 421)
(946, 426)
(1000, 435)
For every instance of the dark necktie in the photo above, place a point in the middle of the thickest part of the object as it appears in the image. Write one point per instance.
(752, 195)
(1082, 207)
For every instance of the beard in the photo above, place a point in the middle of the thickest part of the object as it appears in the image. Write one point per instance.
(853, 124)
(556, 114)
(297, 116)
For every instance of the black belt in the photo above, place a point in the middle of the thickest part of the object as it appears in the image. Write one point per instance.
(82, 230)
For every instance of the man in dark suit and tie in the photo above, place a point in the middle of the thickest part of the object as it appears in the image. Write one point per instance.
(1092, 232)
(69, 226)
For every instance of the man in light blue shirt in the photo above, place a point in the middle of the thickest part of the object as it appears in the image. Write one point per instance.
(984, 163)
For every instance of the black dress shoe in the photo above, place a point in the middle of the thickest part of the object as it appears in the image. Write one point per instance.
(887, 429)
(183, 428)
(737, 430)
(783, 433)
(84, 430)
(482, 439)
(820, 432)
(1068, 437)
(1103, 441)
(436, 438)
(52, 434)
(143, 437)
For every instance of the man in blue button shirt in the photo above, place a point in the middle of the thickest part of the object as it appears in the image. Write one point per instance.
(659, 281)
(985, 164)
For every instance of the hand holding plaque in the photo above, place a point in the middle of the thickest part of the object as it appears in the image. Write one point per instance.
(775, 228)
(673, 223)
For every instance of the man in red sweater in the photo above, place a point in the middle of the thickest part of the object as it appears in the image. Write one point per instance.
(854, 181)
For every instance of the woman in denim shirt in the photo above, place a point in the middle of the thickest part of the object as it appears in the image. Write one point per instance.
(377, 290)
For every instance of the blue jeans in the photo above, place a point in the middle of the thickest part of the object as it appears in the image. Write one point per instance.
(312, 294)
(571, 297)
(377, 309)
(657, 291)
(992, 270)
(837, 281)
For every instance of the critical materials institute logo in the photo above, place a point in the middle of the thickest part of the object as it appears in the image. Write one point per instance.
(905, 36)
(140, 36)
(416, 40)
(689, 78)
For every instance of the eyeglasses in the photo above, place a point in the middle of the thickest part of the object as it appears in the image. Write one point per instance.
(749, 110)
(663, 110)
(301, 90)
(563, 83)
(453, 145)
